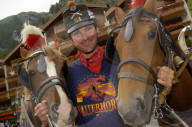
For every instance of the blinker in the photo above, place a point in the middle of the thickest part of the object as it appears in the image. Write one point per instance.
(41, 65)
(128, 30)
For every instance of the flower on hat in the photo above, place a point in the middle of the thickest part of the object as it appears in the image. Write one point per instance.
(32, 36)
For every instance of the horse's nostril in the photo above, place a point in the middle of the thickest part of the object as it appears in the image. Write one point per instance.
(140, 104)
(55, 107)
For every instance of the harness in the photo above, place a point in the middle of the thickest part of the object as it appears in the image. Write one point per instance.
(25, 78)
(165, 41)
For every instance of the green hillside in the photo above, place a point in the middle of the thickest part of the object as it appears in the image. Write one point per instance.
(6, 30)
(189, 2)
(11, 26)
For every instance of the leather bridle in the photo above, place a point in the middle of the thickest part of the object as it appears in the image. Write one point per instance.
(166, 47)
(23, 75)
(44, 85)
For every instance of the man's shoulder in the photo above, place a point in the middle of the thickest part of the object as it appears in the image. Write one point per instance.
(76, 65)
(108, 62)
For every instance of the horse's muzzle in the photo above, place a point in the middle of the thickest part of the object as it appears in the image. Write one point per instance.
(133, 113)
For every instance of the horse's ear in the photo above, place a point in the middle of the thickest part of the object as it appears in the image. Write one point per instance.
(119, 15)
(150, 5)
(24, 52)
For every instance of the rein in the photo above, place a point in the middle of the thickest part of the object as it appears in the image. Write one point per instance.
(160, 94)
(25, 111)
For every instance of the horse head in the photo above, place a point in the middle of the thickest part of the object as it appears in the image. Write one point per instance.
(140, 51)
(44, 73)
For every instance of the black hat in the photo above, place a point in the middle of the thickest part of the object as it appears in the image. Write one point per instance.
(77, 16)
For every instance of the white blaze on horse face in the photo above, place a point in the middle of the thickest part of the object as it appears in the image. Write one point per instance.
(51, 70)
(64, 107)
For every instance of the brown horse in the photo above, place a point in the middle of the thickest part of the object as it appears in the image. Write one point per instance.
(43, 72)
(141, 45)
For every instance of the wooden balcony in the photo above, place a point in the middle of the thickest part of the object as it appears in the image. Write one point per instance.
(172, 10)
(67, 48)
(11, 80)
(12, 93)
(59, 28)
(10, 112)
(2, 83)
(14, 62)
(175, 33)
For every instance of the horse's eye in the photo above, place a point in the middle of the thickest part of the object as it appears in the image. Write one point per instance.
(31, 73)
(151, 35)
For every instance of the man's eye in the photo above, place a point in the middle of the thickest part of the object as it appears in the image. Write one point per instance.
(76, 33)
(88, 29)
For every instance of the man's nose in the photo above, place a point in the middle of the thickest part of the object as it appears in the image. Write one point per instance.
(84, 36)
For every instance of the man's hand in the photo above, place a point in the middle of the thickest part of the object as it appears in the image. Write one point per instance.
(165, 77)
(41, 110)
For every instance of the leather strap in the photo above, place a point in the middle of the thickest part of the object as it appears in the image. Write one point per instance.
(179, 72)
(135, 76)
(25, 112)
(139, 61)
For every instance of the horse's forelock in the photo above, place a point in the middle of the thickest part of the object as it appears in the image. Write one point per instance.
(138, 14)
(141, 12)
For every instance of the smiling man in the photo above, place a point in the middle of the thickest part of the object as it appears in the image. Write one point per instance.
(93, 82)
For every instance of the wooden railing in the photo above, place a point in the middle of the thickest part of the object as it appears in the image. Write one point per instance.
(10, 112)
(11, 79)
(14, 62)
(172, 10)
(177, 25)
(170, 6)
(12, 93)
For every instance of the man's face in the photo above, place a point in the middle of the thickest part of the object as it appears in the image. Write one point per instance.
(85, 39)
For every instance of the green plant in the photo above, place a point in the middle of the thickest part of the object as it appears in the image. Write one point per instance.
(13, 106)
(189, 3)
(3, 108)
(188, 42)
